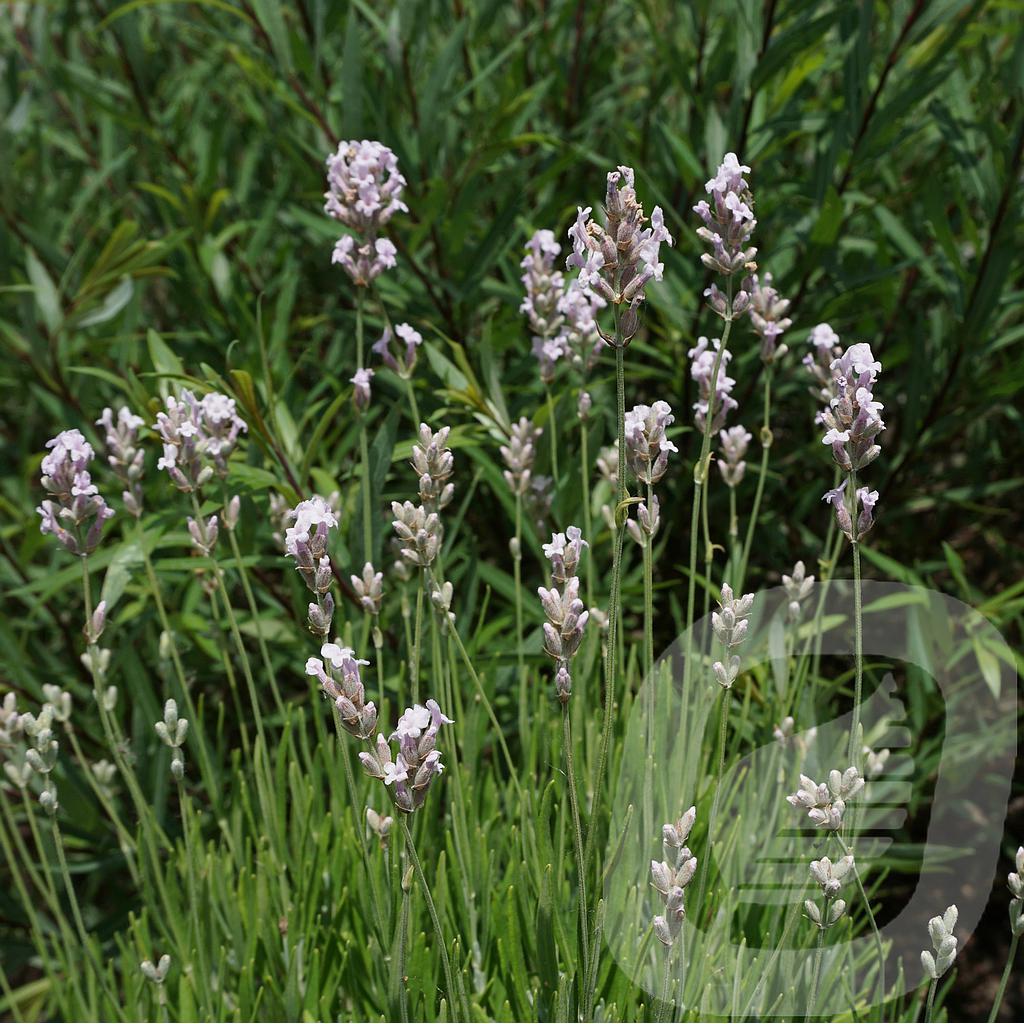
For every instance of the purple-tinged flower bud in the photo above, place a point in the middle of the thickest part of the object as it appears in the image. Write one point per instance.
(866, 519)
(204, 534)
(369, 588)
(584, 405)
(94, 627)
(230, 513)
(836, 499)
(361, 389)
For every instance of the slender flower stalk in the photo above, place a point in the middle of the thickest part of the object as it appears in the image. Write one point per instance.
(1016, 887)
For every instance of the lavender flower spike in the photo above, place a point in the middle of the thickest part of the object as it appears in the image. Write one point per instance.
(418, 762)
(306, 542)
(647, 446)
(519, 455)
(618, 260)
(566, 617)
(124, 454)
(852, 417)
(733, 443)
(728, 220)
(671, 876)
(434, 463)
(544, 288)
(768, 316)
(338, 675)
(78, 503)
(701, 370)
(401, 360)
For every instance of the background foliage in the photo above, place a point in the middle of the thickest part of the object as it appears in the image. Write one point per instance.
(161, 213)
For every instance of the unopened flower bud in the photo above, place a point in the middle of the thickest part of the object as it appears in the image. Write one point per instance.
(229, 516)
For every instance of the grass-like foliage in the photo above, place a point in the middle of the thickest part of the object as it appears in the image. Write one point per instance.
(418, 599)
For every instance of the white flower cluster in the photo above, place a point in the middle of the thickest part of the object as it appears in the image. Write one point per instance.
(364, 189)
(418, 761)
(671, 876)
(566, 617)
(826, 803)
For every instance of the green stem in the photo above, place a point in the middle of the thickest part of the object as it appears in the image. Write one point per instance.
(205, 764)
(705, 868)
(858, 653)
(1005, 978)
(517, 574)
(818, 955)
(847, 851)
(432, 910)
(364, 455)
(577, 828)
(700, 487)
(588, 519)
(488, 707)
(553, 435)
(766, 447)
(359, 328)
(613, 600)
(411, 392)
(250, 600)
(930, 1001)
(664, 1010)
(649, 681)
(417, 637)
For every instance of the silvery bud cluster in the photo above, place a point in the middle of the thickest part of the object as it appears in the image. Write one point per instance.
(782, 732)
(338, 676)
(419, 531)
(702, 368)
(417, 763)
(59, 702)
(96, 660)
(829, 876)
(379, 825)
(732, 465)
(617, 261)
(400, 358)
(768, 316)
(364, 189)
(798, 587)
(204, 534)
(543, 287)
(852, 417)
(608, 464)
(320, 615)
(41, 755)
(728, 221)
(583, 406)
(671, 876)
(369, 588)
(361, 392)
(730, 625)
(434, 464)
(104, 774)
(124, 454)
(172, 732)
(198, 437)
(864, 508)
(566, 616)
(10, 721)
(874, 761)
(647, 444)
(441, 599)
(647, 522)
(833, 912)
(519, 455)
(306, 542)
(78, 511)
(825, 803)
(156, 974)
(1016, 887)
(940, 959)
